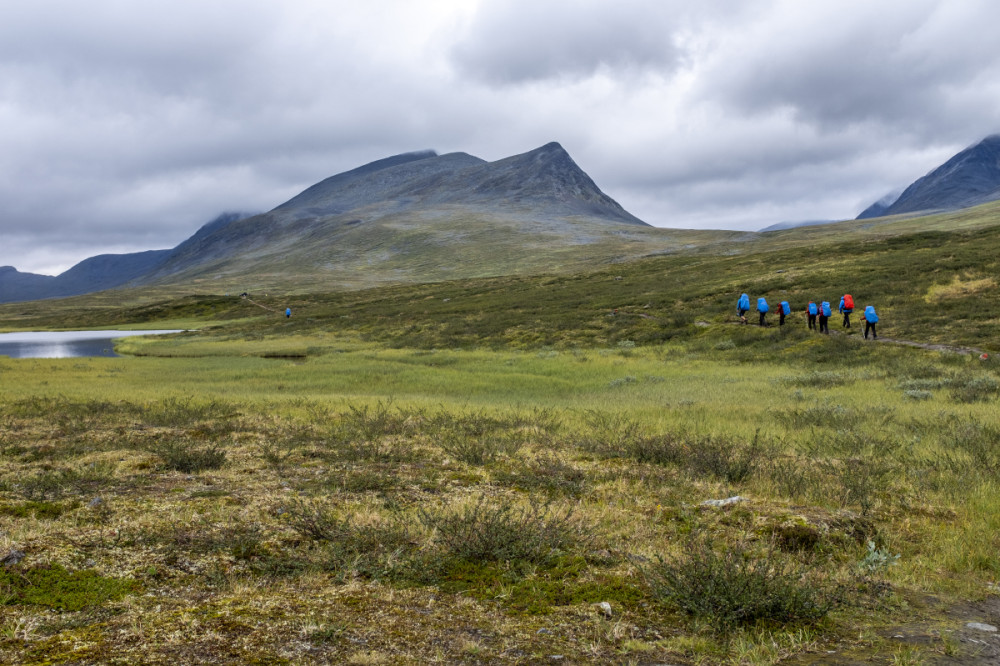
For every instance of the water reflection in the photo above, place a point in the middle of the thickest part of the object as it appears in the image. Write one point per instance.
(65, 344)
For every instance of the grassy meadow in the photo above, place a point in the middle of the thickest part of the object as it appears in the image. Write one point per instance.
(503, 470)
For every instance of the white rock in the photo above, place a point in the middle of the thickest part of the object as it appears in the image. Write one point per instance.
(724, 502)
(979, 626)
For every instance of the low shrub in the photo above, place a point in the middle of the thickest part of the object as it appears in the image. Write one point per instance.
(502, 533)
(726, 459)
(819, 379)
(977, 389)
(547, 474)
(350, 547)
(479, 450)
(183, 456)
(738, 587)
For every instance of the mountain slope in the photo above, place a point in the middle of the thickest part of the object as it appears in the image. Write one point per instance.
(104, 271)
(970, 178)
(417, 216)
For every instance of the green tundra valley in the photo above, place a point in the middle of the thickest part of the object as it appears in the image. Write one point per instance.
(588, 465)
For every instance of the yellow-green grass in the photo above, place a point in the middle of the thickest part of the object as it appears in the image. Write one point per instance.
(218, 558)
(353, 436)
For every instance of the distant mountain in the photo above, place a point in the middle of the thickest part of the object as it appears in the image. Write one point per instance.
(412, 216)
(105, 271)
(18, 286)
(415, 216)
(970, 178)
(94, 274)
(780, 226)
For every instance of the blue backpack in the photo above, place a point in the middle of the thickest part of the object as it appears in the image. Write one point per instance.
(786, 308)
(762, 305)
(744, 303)
(826, 308)
(870, 315)
(812, 309)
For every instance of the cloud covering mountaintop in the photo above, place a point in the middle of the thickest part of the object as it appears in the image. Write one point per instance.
(124, 125)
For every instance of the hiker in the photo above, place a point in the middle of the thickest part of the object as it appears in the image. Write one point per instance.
(870, 320)
(742, 307)
(762, 309)
(846, 307)
(288, 313)
(783, 309)
(812, 310)
(824, 316)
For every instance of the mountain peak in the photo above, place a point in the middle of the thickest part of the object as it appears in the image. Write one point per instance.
(971, 177)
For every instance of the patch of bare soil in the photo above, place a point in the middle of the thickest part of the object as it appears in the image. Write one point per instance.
(959, 635)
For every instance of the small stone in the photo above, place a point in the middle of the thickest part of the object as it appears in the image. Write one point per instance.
(94, 503)
(543, 630)
(724, 502)
(13, 557)
(980, 626)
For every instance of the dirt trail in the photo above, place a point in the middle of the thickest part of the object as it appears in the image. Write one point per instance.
(263, 307)
(895, 341)
(944, 640)
(933, 347)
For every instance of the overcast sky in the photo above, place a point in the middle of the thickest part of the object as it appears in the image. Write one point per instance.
(124, 126)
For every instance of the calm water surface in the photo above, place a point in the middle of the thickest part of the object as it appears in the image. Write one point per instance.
(65, 344)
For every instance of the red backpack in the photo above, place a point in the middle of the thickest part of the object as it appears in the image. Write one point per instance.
(848, 302)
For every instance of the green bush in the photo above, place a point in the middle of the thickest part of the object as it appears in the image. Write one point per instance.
(183, 456)
(548, 474)
(977, 389)
(726, 459)
(738, 587)
(504, 533)
(479, 450)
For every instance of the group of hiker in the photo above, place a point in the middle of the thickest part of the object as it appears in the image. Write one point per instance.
(814, 312)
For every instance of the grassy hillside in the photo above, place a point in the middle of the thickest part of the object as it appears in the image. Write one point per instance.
(501, 470)
(930, 286)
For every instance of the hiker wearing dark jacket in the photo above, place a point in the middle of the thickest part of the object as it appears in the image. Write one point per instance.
(824, 316)
(811, 310)
(762, 308)
(870, 320)
(846, 307)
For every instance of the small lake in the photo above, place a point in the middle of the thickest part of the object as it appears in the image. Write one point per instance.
(65, 344)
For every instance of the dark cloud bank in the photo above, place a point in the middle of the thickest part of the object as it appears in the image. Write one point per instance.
(126, 126)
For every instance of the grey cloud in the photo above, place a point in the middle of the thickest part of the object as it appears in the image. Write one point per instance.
(125, 126)
(519, 42)
(900, 63)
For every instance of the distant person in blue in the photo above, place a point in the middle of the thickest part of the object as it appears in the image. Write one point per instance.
(742, 307)
(824, 317)
(870, 320)
(288, 313)
(812, 311)
(846, 308)
(762, 308)
(783, 309)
